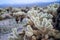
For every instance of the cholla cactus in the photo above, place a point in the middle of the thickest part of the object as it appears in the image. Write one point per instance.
(32, 12)
(55, 5)
(47, 23)
(52, 8)
(15, 35)
(18, 13)
(46, 15)
(42, 21)
(29, 31)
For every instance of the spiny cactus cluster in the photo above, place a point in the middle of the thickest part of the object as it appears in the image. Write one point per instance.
(38, 26)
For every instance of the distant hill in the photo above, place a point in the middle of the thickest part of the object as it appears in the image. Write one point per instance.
(41, 4)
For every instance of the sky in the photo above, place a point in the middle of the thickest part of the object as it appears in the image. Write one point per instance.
(24, 1)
